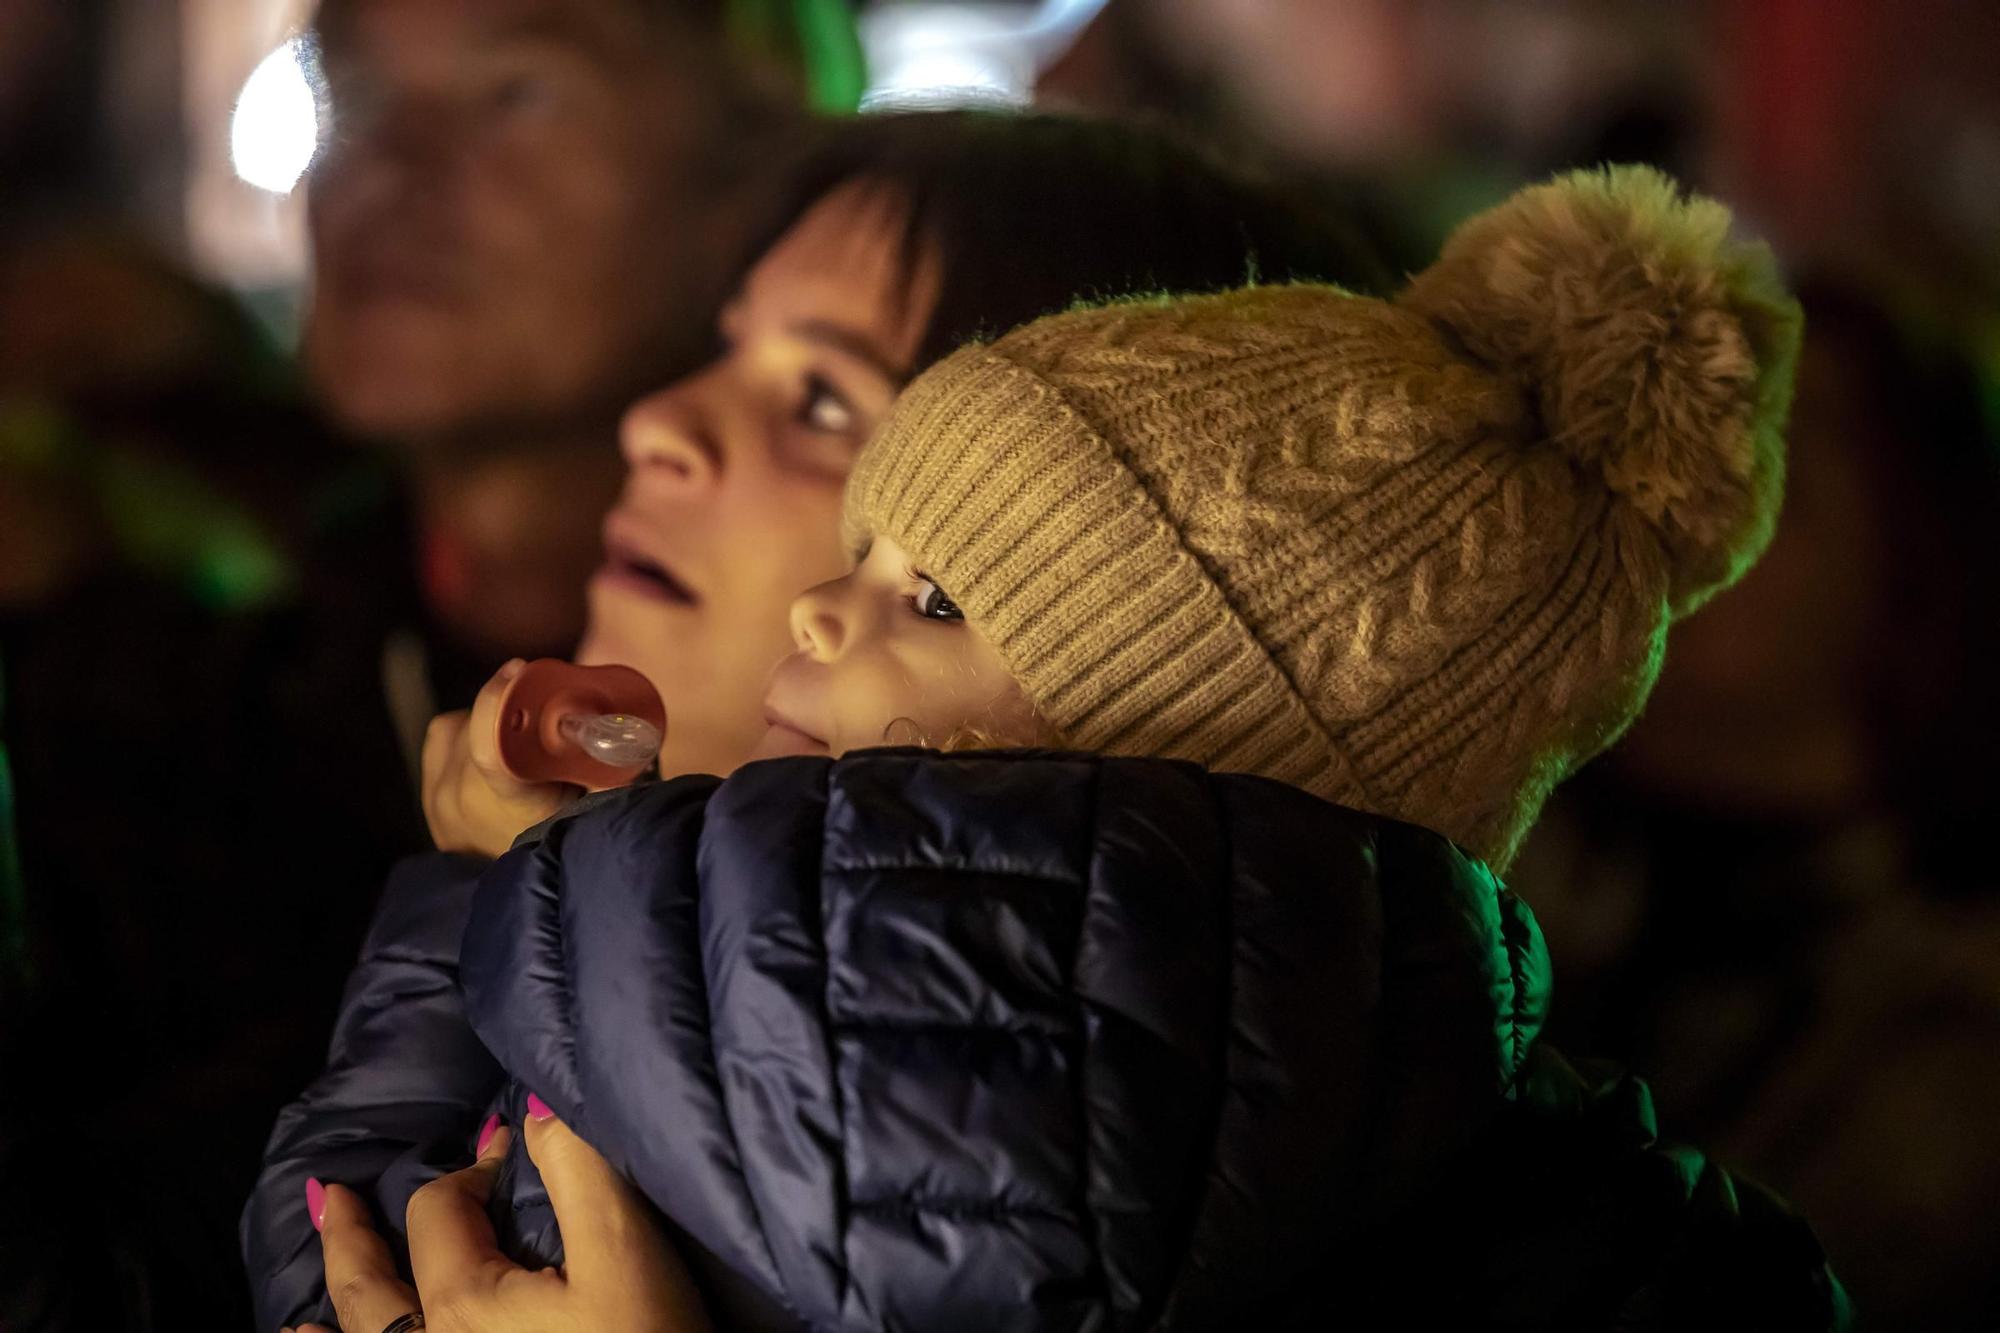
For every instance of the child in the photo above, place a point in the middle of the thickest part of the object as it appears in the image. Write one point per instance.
(1055, 1041)
(1418, 558)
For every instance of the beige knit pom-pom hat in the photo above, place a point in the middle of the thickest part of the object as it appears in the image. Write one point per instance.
(1416, 556)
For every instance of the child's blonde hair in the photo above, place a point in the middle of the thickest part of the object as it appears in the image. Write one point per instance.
(1036, 735)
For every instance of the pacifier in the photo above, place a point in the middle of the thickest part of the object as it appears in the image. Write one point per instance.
(595, 727)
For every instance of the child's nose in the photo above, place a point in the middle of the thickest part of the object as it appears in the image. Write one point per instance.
(817, 625)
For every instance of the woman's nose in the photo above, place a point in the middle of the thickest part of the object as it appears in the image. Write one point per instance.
(819, 627)
(667, 438)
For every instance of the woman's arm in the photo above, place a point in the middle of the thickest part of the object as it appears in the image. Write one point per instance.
(405, 1086)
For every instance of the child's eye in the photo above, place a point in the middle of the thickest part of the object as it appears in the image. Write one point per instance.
(824, 409)
(931, 603)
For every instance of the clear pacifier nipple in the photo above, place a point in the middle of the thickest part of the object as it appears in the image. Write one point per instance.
(618, 739)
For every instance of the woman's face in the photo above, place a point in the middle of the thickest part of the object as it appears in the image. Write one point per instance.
(731, 505)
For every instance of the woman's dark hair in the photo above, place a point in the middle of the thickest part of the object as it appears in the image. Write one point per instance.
(1029, 214)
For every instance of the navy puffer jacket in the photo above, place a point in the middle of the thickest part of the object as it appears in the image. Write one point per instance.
(914, 1041)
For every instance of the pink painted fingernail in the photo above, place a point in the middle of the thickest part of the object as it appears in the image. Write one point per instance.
(316, 1202)
(486, 1133)
(538, 1108)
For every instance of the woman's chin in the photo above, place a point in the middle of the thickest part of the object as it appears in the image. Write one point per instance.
(598, 648)
(601, 648)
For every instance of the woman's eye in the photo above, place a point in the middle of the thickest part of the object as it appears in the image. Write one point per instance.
(825, 410)
(932, 604)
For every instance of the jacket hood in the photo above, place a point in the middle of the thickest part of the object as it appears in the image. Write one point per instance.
(908, 1039)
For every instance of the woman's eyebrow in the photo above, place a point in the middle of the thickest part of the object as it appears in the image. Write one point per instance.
(856, 345)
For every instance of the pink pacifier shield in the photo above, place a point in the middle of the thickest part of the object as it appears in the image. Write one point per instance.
(532, 741)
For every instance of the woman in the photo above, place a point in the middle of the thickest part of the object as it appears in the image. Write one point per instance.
(906, 237)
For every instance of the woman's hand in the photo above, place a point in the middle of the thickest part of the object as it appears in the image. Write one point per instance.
(621, 1271)
(471, 801)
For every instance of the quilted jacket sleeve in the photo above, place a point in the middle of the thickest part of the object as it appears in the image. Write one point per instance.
(405, 1084)
(708, 991)
(585, 975)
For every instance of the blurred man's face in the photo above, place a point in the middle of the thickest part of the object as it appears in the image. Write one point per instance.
(504, 224)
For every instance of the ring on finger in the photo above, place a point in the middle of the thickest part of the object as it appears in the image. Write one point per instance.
(405, 1322)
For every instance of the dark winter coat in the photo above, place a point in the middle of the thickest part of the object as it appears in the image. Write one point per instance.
(1040, 1042)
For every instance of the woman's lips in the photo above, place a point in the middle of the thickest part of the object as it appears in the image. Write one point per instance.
(632, 561)
(628, 569)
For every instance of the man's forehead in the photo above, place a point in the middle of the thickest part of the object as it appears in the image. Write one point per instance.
(598, 27)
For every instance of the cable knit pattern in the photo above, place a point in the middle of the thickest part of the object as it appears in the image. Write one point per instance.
(1417, 557)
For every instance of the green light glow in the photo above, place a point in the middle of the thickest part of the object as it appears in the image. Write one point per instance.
(817, 36)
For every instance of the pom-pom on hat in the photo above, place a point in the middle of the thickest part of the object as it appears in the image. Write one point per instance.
(1416, 556)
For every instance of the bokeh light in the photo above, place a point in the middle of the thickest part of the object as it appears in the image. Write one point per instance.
(941, 54)
(275, 129)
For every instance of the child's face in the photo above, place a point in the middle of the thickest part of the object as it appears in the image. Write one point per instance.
(885, 658)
